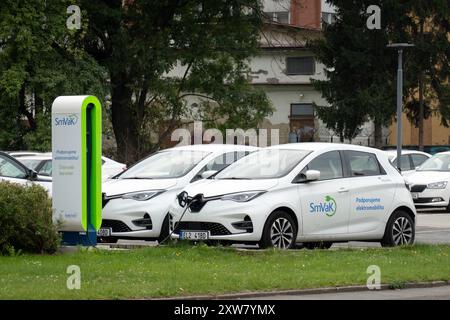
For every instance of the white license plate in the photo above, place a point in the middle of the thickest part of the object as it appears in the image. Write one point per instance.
(194, 235)
(415, 195)
(104, 232)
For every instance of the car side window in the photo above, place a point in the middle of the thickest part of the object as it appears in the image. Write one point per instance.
(329, 164)
(46, 169)
(418, 159)
(363, 164)
(404, 163)
(11, 170)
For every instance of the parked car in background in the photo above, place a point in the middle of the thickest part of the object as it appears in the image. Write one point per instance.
(136, 202)
(14, 171)
(410, 159)
(430, 183)
(42, 164)
(310, 193)
(18, 154)
(430, 149)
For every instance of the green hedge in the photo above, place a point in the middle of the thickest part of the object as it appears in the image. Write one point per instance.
(26, 220)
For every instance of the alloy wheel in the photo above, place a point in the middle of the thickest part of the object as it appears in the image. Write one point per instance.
(282, 233)
(402, 231)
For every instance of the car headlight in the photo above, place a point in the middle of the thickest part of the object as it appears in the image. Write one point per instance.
(142, 195)
(437, 185)
(242, 196)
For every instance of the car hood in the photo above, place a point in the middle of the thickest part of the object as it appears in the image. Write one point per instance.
(211, 187)
(114, 187)
(425, 177)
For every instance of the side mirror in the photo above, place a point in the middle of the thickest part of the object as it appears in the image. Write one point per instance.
(32, 175)
(310, 175)
(208, 174)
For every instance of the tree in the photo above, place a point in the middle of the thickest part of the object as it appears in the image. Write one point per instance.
(428, 63)
(360, 84)
(140, 43)
(361, 70)
(39, 61)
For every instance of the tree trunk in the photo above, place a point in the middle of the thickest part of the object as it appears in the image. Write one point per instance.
(378, 134)
(123, 122)
(421, 112)
(421, 87)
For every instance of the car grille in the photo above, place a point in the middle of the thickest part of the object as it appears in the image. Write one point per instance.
(418, 188)
(216, 229)
(115, 225)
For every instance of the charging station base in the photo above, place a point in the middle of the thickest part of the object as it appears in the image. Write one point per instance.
(87, 238)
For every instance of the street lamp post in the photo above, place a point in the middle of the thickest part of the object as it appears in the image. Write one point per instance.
(399, 47)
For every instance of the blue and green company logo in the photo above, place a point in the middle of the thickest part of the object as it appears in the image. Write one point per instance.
(70, 120)
(328, 207)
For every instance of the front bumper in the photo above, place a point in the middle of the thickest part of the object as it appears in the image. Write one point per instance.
(225, 220)
(135, 219)
(431, 198)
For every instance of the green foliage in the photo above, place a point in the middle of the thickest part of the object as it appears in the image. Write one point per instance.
(206, 46)
(40, 59)
(26, 220)
(361, 71)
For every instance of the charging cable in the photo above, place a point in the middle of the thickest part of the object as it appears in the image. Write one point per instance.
(184, 201)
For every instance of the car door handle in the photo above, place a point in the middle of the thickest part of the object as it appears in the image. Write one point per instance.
(342, 190)
(384, 179)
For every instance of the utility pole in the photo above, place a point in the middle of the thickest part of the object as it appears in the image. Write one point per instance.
(399, 47)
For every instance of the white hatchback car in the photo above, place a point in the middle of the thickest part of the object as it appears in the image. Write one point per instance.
(430, 183)
(136, 202)
(310, 193)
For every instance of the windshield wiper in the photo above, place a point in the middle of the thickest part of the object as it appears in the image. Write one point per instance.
(236, 178)
(140, 178)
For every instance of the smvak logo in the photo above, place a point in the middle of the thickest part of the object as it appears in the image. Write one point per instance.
(328, 207)
(70, 120)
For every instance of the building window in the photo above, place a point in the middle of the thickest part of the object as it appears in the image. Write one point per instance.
(328, 18)
(302, 110)
(279, 16)
(300, 66)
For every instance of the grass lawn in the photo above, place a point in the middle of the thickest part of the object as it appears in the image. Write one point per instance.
(188, 270)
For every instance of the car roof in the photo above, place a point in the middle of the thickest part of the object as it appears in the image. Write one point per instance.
(39, 157)
(318, 146)
(393, 152)
(215, 147)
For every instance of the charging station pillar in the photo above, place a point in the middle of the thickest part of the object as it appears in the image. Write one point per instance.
(76, 162)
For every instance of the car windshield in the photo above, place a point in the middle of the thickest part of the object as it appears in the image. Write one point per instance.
(264, 164)
(439, 162)
(165, 165)
(30, 163)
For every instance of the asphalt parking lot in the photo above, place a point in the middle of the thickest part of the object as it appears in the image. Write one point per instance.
(432, 228)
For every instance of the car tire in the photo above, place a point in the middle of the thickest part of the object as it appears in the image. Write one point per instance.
(318, 245)
(165, 230)
(279, 222)
(400, 230)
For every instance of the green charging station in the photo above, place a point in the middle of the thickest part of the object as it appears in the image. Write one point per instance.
(76, 161)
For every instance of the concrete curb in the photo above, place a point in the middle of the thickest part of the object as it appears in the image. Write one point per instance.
(249, 295)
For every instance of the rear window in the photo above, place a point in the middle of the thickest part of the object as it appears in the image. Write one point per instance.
(363, 164)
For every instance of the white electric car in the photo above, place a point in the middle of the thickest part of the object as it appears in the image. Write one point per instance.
(310, 193)
(430, 183)
(136, 202)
